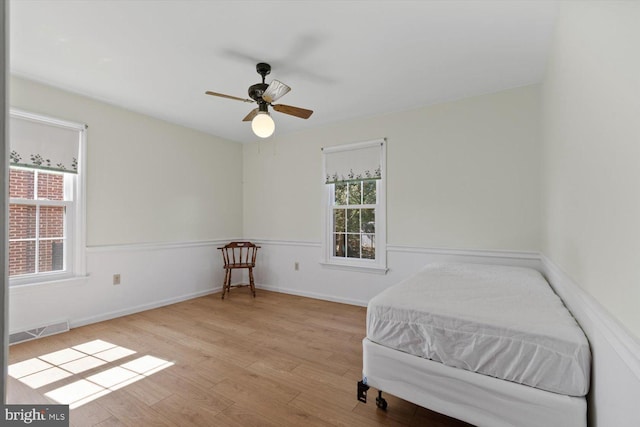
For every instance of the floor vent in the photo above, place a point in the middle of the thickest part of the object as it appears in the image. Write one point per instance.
(43, 331)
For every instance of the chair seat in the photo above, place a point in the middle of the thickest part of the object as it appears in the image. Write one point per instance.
(243, 265)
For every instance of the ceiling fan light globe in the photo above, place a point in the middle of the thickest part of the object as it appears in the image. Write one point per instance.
(263, 125)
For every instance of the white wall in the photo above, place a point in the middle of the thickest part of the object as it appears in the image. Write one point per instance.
(464, 174)
(152, 276)
(160, 199)
(147, 180)
(592, 153)
(463, 183)
(591, 170)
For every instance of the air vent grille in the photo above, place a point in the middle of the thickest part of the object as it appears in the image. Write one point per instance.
(40, 332)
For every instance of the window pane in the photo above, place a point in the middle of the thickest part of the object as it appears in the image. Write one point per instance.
(355, 194)
(21, 183)
(51, 221)
(353, 245)
(22, 222)
(369, 246)
(368, 220)
(22, 258)
(50, 186)
(339, 220)
(369, 193)
(353, 220)
(340, 194)
(51, 255)
(338, 244)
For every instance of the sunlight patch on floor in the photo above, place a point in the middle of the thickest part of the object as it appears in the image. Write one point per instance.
(48, 376)
(50, 368)
(83, 364)
(78, 391)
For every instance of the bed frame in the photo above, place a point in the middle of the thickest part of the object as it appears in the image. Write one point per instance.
(468, 396)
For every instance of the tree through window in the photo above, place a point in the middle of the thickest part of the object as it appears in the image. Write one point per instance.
(354, 219)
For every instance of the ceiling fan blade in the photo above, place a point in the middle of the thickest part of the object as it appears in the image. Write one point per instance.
(251, 115)
(222, 95)
(293, 111)
(275, 91)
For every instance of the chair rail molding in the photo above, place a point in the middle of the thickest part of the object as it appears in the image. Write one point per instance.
(158, 245)
(591, 315)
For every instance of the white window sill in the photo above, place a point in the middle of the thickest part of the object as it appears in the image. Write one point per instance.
(20, 286)
(373, 269)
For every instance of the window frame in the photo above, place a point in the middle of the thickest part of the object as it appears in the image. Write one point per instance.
(75, 214)
(379, 264)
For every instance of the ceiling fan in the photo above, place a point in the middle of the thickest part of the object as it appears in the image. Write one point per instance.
(265, 94)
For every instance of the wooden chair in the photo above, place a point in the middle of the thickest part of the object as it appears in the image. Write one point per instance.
(238, 255)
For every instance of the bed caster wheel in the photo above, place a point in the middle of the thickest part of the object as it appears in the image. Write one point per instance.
(381, 402)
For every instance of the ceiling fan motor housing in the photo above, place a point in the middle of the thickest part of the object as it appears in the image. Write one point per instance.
(256, 91)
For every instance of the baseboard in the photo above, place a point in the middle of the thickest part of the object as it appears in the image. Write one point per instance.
(591, 315)
(75, 323)
(314, 295)
(313, 281)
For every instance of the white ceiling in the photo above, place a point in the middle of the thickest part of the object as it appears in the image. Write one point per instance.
(343, 59)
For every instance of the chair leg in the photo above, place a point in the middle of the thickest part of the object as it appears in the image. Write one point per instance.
(227, 278)
(224, 283)
(251, 283)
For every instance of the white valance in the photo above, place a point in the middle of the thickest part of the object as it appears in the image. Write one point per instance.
(43, 144)
(353, 162)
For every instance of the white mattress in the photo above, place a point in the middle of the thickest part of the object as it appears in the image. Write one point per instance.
(505, 322)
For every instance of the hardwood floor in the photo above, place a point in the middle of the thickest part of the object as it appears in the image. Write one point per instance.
(270, 361)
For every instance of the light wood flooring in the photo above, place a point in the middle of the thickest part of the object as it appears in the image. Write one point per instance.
(276, 360)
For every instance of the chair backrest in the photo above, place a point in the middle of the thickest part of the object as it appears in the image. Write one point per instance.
(239, 253)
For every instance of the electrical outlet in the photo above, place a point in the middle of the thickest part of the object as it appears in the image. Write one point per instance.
(296, 266)
(116, 279)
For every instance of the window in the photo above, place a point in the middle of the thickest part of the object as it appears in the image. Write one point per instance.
(46, 209)
(355, 234)
(38, 220)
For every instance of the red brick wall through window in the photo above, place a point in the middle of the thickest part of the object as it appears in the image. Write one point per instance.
(22, 222)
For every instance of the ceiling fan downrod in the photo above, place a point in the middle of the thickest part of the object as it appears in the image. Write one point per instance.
(263, 69)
